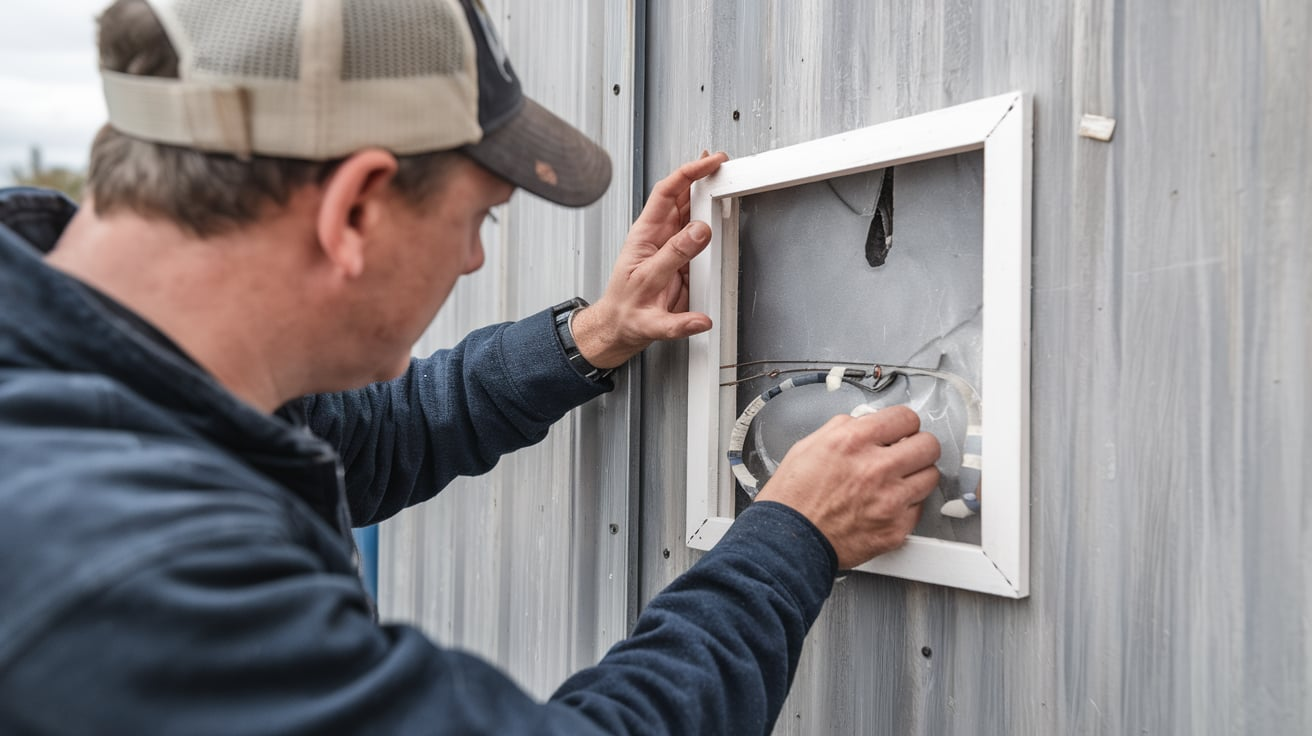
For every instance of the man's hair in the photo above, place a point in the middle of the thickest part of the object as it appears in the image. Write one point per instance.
(203, 193)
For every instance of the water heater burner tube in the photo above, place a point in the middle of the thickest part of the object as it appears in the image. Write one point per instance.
(881, 377)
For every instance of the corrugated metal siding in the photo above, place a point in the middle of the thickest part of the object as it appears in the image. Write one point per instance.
(1171, 570)
(1171, 584)
(520, 565)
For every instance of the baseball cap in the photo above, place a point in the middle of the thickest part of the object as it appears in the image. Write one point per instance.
(321, 79)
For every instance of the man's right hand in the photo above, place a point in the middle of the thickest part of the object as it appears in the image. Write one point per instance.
(860, 481)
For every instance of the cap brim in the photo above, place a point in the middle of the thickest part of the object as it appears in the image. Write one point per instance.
(545, 155)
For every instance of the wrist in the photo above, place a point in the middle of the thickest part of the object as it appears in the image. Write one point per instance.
(597, 339)
(562, 317)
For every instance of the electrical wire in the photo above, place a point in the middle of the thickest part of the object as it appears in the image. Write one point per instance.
(881, 377)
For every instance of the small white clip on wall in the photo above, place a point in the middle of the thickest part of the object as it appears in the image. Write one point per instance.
(996, 446)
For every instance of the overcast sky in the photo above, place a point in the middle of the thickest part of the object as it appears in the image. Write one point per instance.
(49, 90)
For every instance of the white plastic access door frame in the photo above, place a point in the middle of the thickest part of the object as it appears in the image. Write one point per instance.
(1001, 126)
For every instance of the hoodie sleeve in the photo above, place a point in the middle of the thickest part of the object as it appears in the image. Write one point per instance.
(243, 631)
(453, 413)
(716, 651)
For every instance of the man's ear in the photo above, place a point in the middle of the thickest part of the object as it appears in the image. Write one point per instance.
(354, 203)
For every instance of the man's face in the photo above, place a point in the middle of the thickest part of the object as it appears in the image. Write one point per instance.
(417, 257)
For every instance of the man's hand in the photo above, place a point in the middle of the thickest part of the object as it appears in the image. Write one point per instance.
(860, 481)
(647, 297)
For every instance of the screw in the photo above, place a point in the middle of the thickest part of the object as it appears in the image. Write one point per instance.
(926, 652)
(614, 528)
(665, 553)
(615, 89)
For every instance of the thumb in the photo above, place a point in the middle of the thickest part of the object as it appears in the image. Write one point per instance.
(684, 324)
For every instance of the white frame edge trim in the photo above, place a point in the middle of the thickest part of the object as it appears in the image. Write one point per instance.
(1002, 127)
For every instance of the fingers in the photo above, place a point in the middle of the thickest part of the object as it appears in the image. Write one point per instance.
(677, 326)
(676, 292)
(922, 483)
(910, 521)
(670, 297)
(703, 166)
(686, 324)
(903, 450)
(917, 488)
(680, 303)
(666, 263)
(887, 426)
(670, 206)
(677, 183)
(914, 453)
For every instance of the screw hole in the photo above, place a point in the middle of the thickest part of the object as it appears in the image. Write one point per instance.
(665, 553)
(614, 528)
(735, 114)
(926, 652)
(615, 89)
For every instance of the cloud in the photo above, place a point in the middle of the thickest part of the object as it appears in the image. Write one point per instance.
(49, 89)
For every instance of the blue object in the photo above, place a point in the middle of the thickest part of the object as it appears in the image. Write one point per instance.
(366, 540)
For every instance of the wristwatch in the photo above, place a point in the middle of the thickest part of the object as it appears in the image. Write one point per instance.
(563, 315)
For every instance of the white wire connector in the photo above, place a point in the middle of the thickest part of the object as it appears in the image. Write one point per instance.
(834, 380)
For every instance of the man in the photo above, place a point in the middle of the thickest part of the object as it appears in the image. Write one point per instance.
(204, 380)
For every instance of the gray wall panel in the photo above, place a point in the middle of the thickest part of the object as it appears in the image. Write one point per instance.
(1171, 572)
(520, 565)
(1170, 583)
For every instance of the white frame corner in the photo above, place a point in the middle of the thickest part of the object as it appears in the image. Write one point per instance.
(1002, 127)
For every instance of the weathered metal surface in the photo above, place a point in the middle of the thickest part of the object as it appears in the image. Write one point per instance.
(521, 565)
(1171, 589)
(1171, 573)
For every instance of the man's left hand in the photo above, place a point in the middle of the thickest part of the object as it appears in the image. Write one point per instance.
(647, 297)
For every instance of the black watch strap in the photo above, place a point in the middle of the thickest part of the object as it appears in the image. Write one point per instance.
(561, 315)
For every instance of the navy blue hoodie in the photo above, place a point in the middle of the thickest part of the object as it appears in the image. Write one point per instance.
(174, 561)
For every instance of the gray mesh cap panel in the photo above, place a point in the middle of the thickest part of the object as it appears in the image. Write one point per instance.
(396, 74)
(245, 38)
(411, 38)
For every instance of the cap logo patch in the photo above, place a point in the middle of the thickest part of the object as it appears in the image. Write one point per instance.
(546, 174)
